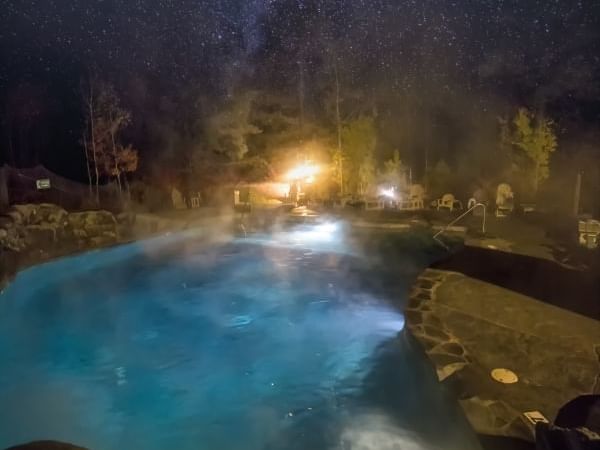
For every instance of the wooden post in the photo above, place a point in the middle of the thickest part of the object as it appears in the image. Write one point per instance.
(577, 196)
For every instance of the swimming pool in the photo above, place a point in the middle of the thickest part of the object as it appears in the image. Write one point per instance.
(185, 345)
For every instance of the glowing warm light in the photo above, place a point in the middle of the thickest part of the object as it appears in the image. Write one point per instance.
(388, 192)
(310, 180)
(281, 189)
(304, 171)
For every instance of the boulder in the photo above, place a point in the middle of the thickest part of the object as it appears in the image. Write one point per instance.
(91, 219)
(80, 234)
(6, 222)
(15, 217)
(40, 235)
(47, 213)
(92, 223)
(10, 237)
(21, 214)
(36, 226)
(34, 214)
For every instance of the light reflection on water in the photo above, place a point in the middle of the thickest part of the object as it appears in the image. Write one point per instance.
(225, 347)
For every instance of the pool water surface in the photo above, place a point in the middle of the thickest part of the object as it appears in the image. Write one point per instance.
(234, 346)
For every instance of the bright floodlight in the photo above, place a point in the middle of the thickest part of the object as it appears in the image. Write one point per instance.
(389, 193)
(304, 171)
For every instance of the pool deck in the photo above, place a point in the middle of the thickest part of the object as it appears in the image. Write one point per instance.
(468, 328)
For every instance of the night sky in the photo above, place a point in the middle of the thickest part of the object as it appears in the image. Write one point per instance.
(542, 53)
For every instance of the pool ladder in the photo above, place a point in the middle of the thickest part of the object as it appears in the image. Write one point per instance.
(472, 208)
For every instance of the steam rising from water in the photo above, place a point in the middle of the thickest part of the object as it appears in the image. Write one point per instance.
(173, 342)
(378, 432)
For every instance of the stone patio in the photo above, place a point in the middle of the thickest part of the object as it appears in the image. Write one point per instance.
(468, 328)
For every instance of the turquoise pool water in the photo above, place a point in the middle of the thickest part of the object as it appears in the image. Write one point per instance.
(185, 345)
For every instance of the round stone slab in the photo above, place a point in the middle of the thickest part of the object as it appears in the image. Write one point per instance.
(504, 376)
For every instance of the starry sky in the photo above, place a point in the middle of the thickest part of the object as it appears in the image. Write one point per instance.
(180, 38)
(541, 52)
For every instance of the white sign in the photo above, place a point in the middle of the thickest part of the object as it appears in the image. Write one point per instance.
(43, 183)
(535, 417)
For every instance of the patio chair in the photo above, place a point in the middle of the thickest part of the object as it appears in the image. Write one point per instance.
(447, 201)
(589, 233)
(416, 196)
(504, 200)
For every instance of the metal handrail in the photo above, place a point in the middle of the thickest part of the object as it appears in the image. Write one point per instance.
(435, 236)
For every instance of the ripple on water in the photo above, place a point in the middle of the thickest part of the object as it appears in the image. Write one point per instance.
(240, 321)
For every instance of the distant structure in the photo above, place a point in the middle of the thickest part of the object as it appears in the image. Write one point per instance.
(40, 185)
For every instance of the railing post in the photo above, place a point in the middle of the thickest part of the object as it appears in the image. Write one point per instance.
(484, 213)
(435, 236)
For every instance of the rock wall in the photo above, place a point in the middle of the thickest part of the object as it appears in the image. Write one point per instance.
(34, 233)
(45, 227)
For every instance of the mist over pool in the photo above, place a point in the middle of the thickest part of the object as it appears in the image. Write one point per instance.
(180, 344)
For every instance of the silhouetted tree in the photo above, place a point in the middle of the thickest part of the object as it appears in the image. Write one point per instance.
(535, 137)
(359, 138)
(230, 127)
(394, 172)
(89, 95)
(105, 120)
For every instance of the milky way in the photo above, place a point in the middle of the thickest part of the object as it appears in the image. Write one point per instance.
(440, 67)
(397, 41)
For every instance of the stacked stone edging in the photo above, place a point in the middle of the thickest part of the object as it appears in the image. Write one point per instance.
(450, 358)
(464, 357)
(443, 349)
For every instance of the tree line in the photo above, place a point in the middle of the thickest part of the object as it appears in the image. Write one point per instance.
(104, 121)
(254, 135)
